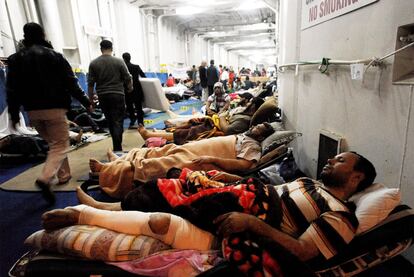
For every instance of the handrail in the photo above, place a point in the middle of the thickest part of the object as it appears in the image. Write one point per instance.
(325, 62)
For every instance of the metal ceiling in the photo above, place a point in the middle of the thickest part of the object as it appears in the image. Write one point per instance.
(234, 24)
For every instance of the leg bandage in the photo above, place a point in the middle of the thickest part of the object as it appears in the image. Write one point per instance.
(170, 229)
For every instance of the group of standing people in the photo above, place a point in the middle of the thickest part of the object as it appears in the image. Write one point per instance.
(42, 81)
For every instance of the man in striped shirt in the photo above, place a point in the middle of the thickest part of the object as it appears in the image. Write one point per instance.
(317, 219)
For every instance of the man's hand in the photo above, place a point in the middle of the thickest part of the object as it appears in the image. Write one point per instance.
(203, 160)
(233, 222)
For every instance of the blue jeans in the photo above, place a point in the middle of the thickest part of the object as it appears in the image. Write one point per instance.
(113, 107)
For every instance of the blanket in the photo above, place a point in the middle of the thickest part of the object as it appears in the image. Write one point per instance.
(145, 164)
(252, 196)
(195, 129)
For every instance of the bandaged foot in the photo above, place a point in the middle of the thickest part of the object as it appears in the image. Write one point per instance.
(95, 165)
(111, 155)
(60, 218)
(171, 229)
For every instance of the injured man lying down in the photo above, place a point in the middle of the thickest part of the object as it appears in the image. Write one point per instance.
(233, 153)
(305, 218)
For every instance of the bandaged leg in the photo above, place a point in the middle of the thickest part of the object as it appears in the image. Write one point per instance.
(171, 229)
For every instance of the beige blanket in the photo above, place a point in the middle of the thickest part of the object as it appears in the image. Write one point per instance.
(144, 164)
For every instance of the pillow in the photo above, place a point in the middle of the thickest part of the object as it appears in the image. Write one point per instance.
(278, 138)
(374, 204)
(266, 112)
(95, 243)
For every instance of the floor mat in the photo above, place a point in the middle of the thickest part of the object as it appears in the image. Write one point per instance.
(79, 164)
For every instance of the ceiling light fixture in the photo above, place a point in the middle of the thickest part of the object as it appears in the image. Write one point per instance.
(251, 5)
(188, 10)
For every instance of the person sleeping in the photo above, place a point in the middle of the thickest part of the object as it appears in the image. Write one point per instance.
(233, 153)
(316, 219)
(226, 123)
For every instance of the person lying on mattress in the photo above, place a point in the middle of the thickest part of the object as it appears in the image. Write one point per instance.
(226, 123)
(233, 153)
(305, 217)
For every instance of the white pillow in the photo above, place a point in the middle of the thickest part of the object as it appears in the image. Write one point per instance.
(374, 204)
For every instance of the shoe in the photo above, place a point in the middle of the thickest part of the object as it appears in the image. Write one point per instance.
(47, 193)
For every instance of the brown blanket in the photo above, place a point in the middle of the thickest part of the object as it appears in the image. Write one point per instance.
(144, 164)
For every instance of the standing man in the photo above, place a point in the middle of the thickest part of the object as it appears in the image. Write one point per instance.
(202, 70)
(42, 81)
(135, 98)
(109, 74)
(212, 77)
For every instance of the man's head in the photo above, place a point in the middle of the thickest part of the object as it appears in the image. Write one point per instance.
(127, 57)
(260, 131)
(33, 34)
(348, 169)
(218, 88)
(106, 46)
(211, 62)
(245, 98)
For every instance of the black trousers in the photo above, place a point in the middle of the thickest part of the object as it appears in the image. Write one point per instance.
(113, 107)
(210, 90)
(134, 107)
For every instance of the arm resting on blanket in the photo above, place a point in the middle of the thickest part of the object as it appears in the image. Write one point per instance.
(230, 165)
(237, 222)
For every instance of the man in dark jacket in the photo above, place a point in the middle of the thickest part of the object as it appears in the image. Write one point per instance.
(42, 81)
(134, 99)
(212, 77)
(202, 70)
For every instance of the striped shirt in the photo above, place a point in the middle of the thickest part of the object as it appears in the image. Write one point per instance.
(311, 212)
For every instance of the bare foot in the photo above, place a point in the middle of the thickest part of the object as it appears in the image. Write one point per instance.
(84, 198)
(111, 155)
(143, 132)
(79, 136)
(95, 165)
(59, 218)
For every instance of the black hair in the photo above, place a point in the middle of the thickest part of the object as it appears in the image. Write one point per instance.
(365, 166)
(126, 56)
(246, 95)
(247, 78)
(269, 129)
(34, 34)
(106, 44)
(211, 61)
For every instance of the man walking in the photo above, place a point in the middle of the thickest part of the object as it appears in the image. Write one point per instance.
(203, 80)
(109, 74)
(212, 77)
(42, 81)
(135, 98)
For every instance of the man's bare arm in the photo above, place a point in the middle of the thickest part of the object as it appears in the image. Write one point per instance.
(224, 125)
(238, 222)
(229, 165)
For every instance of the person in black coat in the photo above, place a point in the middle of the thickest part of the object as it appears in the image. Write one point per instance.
(134, 99)
(212, 77)
(202, 70)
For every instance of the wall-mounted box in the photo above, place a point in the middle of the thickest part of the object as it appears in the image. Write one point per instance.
(403, 73)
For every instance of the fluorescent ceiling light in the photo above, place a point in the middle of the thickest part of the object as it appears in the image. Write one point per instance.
(251, 5)
(188, 10)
